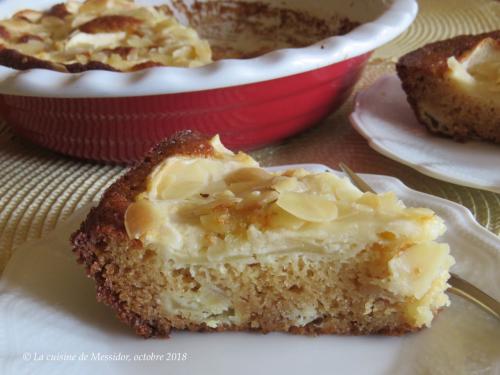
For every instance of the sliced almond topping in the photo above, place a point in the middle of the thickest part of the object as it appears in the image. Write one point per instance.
(246, 180)
(308, 207)
(28, 15)
(257, 199)
(322, 183)
(140, 218)
(384, 201)
(174, 187)
(102, 40)
(180, 180)
(279, 218)
(282, 184)
(94, 6)
(370, 200)
(248, 175)
(215, 142)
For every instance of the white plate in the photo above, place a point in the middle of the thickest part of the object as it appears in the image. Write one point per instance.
(383, 116)
(48, 308)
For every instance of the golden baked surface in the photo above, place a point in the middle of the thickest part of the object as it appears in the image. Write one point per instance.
(453, 86)
(100, 34)
(197, 237)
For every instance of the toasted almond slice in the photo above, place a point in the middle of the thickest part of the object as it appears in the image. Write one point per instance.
(98, 6)
(180, 179)
(279, 218)
(345, 190)
(248, 175)
(308, 207)
(100, 40)
(283, 183)
(243, 187)
(172, 187)
(73, 5)
(257, 199)
(28, 15)
(141, 218)
(321, 183)
(385, 201)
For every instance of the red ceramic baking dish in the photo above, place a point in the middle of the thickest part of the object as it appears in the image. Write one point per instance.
(250, 102)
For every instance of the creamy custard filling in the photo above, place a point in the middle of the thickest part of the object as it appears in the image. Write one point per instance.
(205, 210)
(178, 235)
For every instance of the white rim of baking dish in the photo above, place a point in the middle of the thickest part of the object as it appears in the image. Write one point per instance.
(221, 74)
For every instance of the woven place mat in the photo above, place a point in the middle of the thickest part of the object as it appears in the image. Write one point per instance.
(39, 188)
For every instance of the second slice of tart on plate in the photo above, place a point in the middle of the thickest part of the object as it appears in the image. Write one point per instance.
(453, 86)
(197, 237)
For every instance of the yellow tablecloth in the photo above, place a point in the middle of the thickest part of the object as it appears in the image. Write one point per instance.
(39, 188)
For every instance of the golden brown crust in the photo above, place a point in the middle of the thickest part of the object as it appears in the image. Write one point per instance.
(105, 223)
(145, 65)
(432, 58)
(17, 60)
(422, 75)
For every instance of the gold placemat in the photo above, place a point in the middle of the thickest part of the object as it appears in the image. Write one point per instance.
(39, 188)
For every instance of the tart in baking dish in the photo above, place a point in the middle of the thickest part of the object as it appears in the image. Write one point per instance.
(115, 35)
(197, 237)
